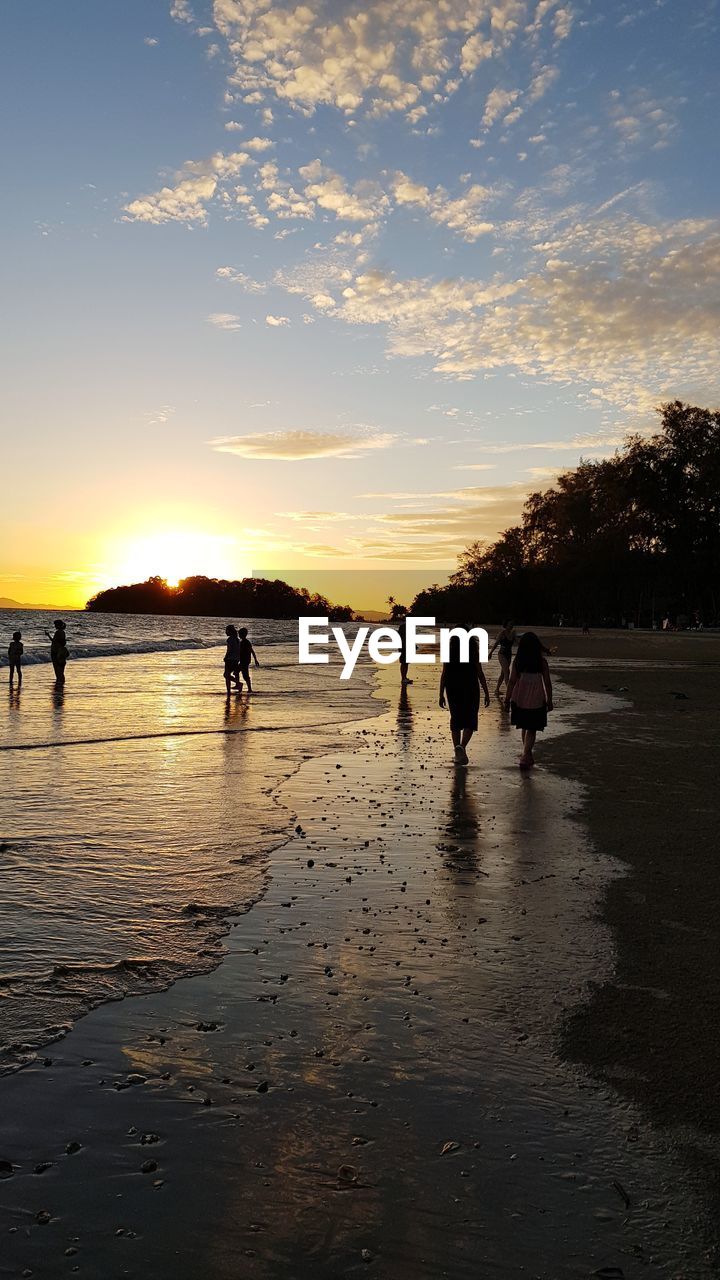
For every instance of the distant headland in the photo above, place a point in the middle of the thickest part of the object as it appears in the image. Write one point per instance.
(218, 598)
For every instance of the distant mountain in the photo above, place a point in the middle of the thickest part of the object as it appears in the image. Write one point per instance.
(7, 603)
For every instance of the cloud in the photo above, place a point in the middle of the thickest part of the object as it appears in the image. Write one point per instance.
(290, 446)
(180, 10)
(628, 308)
(422, 532)
(389, 55)
(238, 277)
(224, 320)
(196, 183)
(458, 214)
(258, 144)
(159, 417)
(150, 41)
(640, 119)
(497, 104)
(600, 442)
(277, 322)
(364, 202)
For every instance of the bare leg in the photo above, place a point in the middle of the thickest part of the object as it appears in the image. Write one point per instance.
(529, 736)
(404, 678)
(455, 735)
(466, 736)
(504, 673)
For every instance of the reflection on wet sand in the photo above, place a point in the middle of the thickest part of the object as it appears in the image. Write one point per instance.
(369, 1083)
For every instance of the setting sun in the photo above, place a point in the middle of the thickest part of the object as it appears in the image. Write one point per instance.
(176, 554)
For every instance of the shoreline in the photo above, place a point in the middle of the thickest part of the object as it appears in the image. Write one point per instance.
(383, 1000)
(201, 876)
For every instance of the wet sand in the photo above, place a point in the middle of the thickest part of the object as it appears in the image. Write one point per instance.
(650, 800)
(380, 1079)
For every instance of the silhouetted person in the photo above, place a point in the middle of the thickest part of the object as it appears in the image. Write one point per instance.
(404, 666)
(246, 654)
(460, 683)
(232, 658)
(529, 693)
(504, 645)
(15, 653)
(58, 650)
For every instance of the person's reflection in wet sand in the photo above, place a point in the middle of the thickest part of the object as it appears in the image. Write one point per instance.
(462, 829)
(235, 712)
(15, 697)
(57, 694)
(404, 718)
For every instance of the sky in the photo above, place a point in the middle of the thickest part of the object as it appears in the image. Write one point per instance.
(334, 286)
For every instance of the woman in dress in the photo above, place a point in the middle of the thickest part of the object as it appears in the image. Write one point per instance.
(504, 645)
(460, 684)
(529, 693)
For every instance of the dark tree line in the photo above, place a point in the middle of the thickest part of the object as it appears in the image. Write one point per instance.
(218, 598)
(634, 537)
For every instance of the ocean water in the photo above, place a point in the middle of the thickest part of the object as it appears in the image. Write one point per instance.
(136, 806)
(98, 635)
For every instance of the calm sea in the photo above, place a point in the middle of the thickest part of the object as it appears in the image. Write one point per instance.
(137, 812)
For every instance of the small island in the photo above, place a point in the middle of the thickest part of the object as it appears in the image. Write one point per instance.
(218, 598)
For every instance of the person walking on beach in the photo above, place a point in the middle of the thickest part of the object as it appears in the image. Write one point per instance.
(460, 684)
(15, 653)
(504, 645)
(246, 654)
(231, 663)
(404, 665)
(58, 650)
(529, 693)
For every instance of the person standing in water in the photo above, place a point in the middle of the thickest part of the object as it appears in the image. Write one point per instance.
(58, 650)
(246, 654)
(15, 653)
(529, 693)
(460, 684)
(231, 663)
(504, 645)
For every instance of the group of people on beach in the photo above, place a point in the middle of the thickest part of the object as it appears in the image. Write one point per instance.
(239, 653)
(58, 653)
(528, 689)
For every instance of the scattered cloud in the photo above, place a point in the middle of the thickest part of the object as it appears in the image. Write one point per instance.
(180, 10)
(290, 446)
(364, 202)
(641, 119)
(390, 56)
(626, 307)
(224, 320)
(460, 213)
(195, 186)
(277, 322)
(497, 105)
(160, 417)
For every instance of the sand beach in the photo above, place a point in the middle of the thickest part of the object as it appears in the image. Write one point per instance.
(429, 1046)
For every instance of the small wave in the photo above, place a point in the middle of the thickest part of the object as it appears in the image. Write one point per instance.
(116, 649)
(74, 989)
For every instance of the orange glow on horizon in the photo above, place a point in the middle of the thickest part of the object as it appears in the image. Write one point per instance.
(174, 555)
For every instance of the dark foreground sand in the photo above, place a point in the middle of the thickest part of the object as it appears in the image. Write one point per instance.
(652, 800)
(418, 1058)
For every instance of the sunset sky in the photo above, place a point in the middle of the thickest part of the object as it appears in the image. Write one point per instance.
(338, 283)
